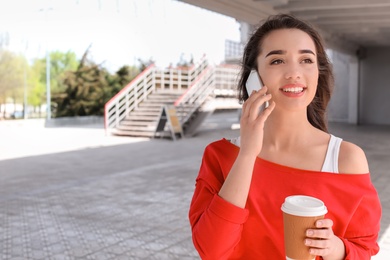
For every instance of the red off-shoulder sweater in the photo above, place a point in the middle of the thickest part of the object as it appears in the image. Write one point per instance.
(221, 230)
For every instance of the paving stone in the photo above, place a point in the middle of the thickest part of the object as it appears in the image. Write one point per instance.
(131, 201)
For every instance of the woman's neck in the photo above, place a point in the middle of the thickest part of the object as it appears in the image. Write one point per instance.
(287, 130)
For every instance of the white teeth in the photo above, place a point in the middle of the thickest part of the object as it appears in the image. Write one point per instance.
(293, 90)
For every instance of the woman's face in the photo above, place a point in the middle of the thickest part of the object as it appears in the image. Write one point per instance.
(288, 66)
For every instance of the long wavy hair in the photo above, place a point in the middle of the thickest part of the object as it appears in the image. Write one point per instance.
(316, 111)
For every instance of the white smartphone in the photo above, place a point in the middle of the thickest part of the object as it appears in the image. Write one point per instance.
(254, 83)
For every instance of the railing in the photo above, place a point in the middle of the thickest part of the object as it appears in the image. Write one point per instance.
(196, 95)
(145, 83)
(129, 97)
(226, 80)
(214, 81)
(178, 78)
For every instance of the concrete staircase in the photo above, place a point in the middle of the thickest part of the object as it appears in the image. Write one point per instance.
(143, 120)
(136, 109)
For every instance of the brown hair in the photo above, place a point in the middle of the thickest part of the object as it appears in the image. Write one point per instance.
(316, 111)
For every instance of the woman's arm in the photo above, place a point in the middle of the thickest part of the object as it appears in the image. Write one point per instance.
(216, 224)
(362, 245)
(217, 210)
(235, 189)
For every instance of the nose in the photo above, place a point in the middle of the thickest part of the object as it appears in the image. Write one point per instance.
(292, 72)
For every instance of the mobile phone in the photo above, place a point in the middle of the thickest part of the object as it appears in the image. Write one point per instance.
(254, 83)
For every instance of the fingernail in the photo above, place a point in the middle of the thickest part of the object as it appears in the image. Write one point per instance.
(307, 242)
(310, 232)
(319, 223)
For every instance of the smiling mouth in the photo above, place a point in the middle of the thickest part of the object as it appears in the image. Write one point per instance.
(295, 90)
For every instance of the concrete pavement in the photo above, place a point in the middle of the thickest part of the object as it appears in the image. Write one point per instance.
(74, 193)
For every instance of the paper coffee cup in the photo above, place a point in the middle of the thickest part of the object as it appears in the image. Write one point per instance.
(299, 214)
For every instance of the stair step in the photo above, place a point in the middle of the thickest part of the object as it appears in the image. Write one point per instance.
(163, 101)
(138, 123)
(145, 113)
(149, 128)
(141, 134)
(150, 105)
(141, 118)
(132, 133)
(149, 109)
(163, 96)
(168, 91)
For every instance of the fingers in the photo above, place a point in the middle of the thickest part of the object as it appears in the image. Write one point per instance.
(320, 252)
(319, 233)
(324, 223)
(269, 109)
(252, 105)
(248, 103)
(320, 239)
(318, 247)
(318, 242)
(255, 110)
(323, 231)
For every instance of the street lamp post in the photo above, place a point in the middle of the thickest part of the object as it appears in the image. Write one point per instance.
(48, 96)
(25, 104)
(48, 93)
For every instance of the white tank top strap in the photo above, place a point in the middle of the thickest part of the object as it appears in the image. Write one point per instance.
(331, 163)
(235, 141)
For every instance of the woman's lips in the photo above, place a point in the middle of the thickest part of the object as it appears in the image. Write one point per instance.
(293, 90)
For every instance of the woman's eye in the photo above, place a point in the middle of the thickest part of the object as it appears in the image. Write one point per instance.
(307, 61)
(275, 62)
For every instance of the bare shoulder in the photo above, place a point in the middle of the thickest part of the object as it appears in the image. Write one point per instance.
(352, 159)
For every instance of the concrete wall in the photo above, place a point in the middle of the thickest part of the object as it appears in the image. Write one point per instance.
(374, 102)
(75, 121)
(343, 106)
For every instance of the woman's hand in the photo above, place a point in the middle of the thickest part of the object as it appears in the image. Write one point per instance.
(323, 242)
(252, 122)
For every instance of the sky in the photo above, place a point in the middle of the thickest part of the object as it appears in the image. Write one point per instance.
(119, 31)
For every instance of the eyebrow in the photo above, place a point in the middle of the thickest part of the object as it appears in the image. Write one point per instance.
(279, 52)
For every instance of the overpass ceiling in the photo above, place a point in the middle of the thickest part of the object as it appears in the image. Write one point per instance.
(355, 23)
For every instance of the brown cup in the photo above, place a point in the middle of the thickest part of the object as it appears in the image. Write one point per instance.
(299, 214)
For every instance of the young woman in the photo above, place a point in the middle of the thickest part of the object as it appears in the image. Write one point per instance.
(284, 150)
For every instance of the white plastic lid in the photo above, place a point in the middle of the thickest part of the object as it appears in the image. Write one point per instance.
(304, 206)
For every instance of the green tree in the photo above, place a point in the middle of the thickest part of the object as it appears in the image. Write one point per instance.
(120, 79)
(13, 70)
(85, 90)
(143, 64)
(90, 87)
(60, 64)
(37, 84)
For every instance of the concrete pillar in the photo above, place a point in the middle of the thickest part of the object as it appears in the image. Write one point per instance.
(353, 104)
(343, 106)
